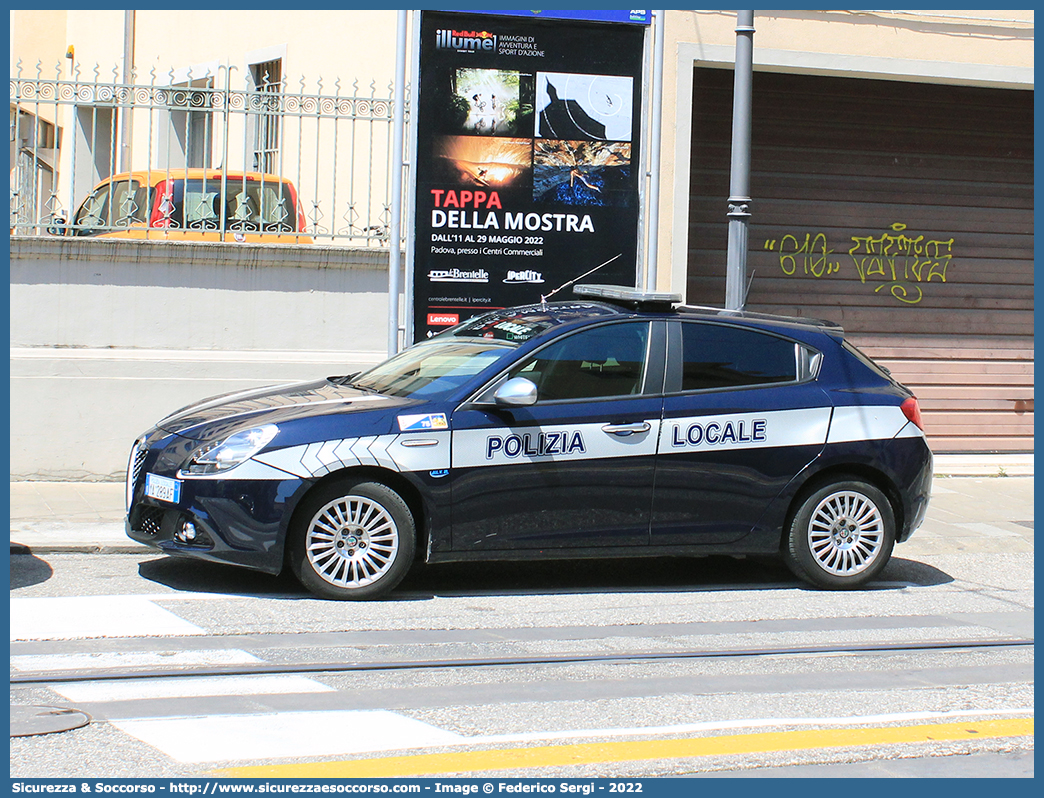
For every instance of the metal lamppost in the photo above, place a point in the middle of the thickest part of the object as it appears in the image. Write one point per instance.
(398, 168)
(739, 182)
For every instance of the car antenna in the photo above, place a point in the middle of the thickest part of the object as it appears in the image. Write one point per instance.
(750, 282)
(545, 297)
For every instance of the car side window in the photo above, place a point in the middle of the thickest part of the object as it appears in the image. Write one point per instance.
(93, 212)
(717, 356)
(118, 204)
(594, 363)
(129, 204)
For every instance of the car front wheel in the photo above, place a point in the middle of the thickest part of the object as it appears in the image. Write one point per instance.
(353, 541)
(841, 535)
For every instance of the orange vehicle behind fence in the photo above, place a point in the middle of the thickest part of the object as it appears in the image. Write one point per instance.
(191, 205)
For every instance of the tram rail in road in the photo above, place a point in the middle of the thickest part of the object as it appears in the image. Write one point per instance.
(55, 677)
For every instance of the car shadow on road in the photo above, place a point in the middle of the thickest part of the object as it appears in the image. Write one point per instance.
(197, 576)
(656, 574)
(913, 574)
(426, 582)
(669, 575)
(28, 569)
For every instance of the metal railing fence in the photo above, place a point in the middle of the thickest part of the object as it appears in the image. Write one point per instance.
(70, 135)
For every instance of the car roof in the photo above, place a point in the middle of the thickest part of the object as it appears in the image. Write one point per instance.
(759, 319)
(632, 300)
(529, 323)
(154, 176)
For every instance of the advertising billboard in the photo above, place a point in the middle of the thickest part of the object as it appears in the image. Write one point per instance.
(527, 165)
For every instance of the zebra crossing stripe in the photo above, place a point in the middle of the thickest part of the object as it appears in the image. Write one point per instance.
(282, 735)
(192, 687)
(72, 618)
(121, 660)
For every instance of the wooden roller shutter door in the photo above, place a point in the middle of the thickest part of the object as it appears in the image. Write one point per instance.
(903, 211)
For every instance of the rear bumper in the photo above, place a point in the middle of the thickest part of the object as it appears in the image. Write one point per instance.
(917, 495)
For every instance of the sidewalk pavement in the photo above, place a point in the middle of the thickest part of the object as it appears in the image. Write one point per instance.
(973, 496)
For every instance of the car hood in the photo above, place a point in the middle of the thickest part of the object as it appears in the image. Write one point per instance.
(271, 405)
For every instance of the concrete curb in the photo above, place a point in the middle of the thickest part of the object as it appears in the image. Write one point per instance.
(982, 465)
(58, 536)
(21, 549)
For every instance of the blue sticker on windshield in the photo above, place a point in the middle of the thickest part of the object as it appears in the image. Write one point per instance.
(427, 421)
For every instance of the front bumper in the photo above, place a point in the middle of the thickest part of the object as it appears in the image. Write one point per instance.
(236, 521)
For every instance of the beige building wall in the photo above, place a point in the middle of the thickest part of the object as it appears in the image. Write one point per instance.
(322, 52)
(38, 36)
(327, 44)
(971, 48)
(38, 47)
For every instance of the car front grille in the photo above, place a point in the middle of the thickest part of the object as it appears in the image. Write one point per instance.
(137, 459)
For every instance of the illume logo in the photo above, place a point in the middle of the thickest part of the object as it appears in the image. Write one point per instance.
(475, 41)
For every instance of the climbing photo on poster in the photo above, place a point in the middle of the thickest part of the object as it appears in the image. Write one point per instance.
(528, 133)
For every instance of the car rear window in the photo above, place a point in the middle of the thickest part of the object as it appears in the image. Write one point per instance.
(249, 205)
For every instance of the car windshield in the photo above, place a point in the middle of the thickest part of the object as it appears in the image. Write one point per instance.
(433, 369)
(249, 204)
(118, 204)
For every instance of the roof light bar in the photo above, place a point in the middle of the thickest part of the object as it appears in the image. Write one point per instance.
(623, 295)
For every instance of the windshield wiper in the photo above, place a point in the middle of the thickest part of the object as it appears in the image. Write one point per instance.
(347, 382)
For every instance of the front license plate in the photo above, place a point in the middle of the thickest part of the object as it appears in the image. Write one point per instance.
(163, 488)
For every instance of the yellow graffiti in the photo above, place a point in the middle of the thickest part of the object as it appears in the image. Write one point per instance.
(813, 251)
(896, 259)
(899, 292)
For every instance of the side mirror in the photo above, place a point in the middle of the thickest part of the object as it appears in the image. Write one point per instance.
(516, 392)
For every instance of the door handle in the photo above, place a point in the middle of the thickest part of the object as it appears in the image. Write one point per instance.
(624, 430)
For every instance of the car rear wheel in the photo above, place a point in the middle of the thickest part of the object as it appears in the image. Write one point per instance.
(353, 541)
(841, 535)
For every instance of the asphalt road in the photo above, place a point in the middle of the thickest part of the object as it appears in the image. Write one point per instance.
(708, 667)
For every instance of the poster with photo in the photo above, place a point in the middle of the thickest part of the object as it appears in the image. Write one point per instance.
(528, 135)
(572, 106)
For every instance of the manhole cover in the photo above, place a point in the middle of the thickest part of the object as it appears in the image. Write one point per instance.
(26, 720)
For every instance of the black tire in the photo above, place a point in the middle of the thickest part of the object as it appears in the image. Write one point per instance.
(352, 541)
(841, 535)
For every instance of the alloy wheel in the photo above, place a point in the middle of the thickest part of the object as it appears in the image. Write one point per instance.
(352, 542)
(846, 533)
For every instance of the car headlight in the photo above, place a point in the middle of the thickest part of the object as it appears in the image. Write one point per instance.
(221, 455)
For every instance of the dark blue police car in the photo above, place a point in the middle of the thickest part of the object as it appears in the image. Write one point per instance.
(616, 425)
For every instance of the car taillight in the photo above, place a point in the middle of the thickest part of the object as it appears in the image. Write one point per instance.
(162, 194)
(912, 411)
(302, 223)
